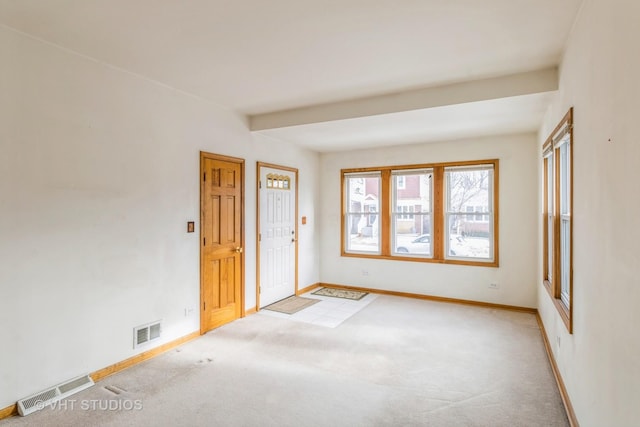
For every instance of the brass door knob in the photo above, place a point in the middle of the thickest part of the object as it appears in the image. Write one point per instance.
(239, 250)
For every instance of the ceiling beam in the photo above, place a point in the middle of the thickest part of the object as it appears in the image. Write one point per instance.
(539, 81)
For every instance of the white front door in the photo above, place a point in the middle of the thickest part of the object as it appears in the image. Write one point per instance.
(277, 234)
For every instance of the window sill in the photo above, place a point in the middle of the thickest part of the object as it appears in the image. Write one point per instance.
(424, 260)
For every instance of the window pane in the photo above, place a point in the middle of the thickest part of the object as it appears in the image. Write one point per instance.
(564, 179)
(550, 185)
(550, 194)
(469, 235)
(411, 217)
(565, 254)
(550, 248)
(468, 190)
(565, 224)
(362, 228)
(464, 244)
(414, 243)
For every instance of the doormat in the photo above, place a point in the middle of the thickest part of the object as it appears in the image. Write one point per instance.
(341, 293)
(291, 305)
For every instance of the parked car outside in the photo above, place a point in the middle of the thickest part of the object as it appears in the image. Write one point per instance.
(420, 245)
(459, 246)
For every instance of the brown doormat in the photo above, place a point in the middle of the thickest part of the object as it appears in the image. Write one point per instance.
(341, 293)
(291, 305)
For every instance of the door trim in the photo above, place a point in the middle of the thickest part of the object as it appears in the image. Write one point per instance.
(260, 165)
(205, 155)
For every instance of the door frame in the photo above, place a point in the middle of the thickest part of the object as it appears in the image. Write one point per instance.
(206, 155)
(259, 166)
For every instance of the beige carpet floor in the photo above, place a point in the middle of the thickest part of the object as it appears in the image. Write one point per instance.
(397, 362)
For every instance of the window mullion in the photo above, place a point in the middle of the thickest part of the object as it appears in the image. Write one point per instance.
(438, 218)
(385, 213)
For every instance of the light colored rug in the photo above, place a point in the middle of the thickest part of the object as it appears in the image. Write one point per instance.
(341, 293)
(291, 305)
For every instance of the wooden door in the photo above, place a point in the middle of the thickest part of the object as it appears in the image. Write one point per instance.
(221, 250)
(277, 238)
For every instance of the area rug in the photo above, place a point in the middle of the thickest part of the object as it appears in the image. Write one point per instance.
(341, 293)
(291, 305)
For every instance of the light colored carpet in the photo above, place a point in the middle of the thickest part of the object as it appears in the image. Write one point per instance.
(397, 362)
(291, 305)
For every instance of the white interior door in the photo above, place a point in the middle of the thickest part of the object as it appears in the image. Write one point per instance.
(277, 234)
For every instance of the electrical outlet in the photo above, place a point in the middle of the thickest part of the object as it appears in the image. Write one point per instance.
(188, 312)
(494, 286)
(558, 337)
(365, 272)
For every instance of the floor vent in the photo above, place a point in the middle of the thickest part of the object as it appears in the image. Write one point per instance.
(146, 333)
(38, 401)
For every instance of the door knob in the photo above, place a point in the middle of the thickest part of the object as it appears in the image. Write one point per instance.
(239, 250)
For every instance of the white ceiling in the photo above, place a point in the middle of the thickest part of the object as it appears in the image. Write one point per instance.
(259, 56)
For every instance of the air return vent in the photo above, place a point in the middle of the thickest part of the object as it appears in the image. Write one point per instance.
(146, 333)
(40, 400)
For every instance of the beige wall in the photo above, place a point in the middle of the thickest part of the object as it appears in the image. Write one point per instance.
(599, 78)
(518, 225)
(98, 178)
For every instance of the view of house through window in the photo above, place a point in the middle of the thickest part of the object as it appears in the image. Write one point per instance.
(438, 212)
(412, 193)
(363, 212)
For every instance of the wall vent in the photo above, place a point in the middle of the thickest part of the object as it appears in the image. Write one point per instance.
(146, 333)
(39, 401)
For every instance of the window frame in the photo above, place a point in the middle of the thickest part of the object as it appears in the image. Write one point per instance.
(368, 211)
(470, 216)
(558, 209)
(437, 212)
(398, 212)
